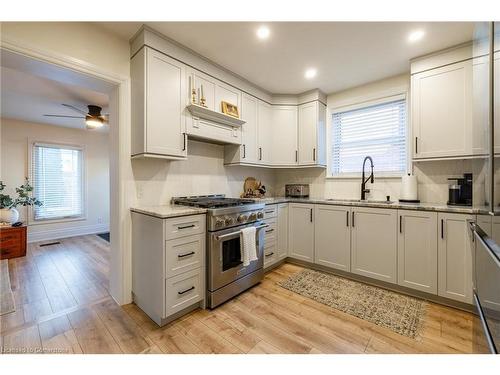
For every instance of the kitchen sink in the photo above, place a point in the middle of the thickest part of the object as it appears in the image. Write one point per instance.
(360, 201)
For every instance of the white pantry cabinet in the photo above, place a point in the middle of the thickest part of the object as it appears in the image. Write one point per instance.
(417, 250)
(441, 110)
(454, 257)
(312, 133)
(158, 106)
(282, 227)
(332, 236)
(374, 243)
(301, 231)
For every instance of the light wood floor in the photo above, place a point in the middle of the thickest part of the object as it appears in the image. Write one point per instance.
(63, 306)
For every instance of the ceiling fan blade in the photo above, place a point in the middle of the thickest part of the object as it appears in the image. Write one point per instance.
(65, 116)
(75, 108)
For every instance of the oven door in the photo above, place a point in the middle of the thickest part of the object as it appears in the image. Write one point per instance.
(225, 259)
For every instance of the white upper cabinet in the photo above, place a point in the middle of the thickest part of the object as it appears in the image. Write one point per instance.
(264, 133)
(417, 250)
(284, 135)
(442, 111)
(311, 134)
(332, 236)
(249, 113)
(158, 106)
(374, 243)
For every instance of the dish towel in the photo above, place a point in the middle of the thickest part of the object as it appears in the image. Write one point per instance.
(248, 245)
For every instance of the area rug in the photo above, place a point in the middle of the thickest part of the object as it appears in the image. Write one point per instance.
(6, 295)
(399, 313)
(104, 236)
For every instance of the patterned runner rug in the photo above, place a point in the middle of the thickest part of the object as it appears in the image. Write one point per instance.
(401, 314)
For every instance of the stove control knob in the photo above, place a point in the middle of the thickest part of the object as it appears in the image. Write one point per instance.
(260, 215)
(242, 218)
(228, 220)
(219, 222)
(252, 216)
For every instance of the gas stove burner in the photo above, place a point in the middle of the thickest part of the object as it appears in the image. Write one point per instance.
(211, 201)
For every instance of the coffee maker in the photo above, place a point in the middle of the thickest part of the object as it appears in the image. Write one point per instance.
(460, 190)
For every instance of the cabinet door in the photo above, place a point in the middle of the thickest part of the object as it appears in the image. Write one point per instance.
(264, 133)
(374, 243)
(248, 150)
(284, 135)
(301, 231)
(417, 250)
(454, 257)
(442, 111)
(209, 84)
(332, 236)
(227, 94)
(308, 117)
(165, 102)
(282, 228)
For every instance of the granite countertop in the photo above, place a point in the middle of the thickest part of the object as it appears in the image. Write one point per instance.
(395, 205)
(168, 210)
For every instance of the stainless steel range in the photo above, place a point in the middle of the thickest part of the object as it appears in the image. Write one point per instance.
(226, 276)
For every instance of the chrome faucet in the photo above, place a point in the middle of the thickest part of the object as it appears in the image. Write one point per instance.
(364, 190)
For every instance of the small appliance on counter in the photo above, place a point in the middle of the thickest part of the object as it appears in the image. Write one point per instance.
(409, 189)
(460, 190)
(297, 190)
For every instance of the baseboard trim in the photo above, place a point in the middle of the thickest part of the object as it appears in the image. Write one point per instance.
(54, 234)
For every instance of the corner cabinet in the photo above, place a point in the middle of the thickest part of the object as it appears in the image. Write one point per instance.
(301, 231)
(312, 134)
(454, 257)
(282, 227)
(158, 106)
(441, 111)
(417, 250)
(284, 135)
(374, 243)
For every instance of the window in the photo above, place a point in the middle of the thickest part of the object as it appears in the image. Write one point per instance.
(57, 173)
(377, 130)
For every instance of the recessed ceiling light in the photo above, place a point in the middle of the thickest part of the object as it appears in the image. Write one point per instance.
(310, 73)
(416, 35)
(263, 32)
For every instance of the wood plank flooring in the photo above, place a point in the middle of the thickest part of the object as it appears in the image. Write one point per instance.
(63, 306)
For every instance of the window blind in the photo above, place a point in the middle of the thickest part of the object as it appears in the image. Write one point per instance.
(378, 131)
(57, 181)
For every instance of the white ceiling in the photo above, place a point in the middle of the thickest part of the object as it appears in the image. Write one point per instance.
(28, 97)
(346, 54)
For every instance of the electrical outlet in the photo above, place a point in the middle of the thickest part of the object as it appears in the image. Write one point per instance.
(99, 220)
(139, 192)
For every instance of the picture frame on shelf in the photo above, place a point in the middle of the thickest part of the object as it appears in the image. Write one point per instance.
(230, 109)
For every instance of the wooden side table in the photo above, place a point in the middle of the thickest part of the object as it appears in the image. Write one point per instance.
(12, 242)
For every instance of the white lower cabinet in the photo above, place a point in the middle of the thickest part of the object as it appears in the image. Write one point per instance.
(276, 234)
(282, 235)
(301, 231)
(454, 257)
(417, 250)
(374, 243)
(332, 236)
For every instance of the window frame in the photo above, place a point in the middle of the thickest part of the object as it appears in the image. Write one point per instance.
(31, 212)
(363, 102)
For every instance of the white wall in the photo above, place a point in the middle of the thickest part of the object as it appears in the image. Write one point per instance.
(14, 149)
(157, 180)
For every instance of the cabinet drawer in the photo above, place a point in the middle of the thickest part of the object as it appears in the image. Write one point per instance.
(270, 211)
(184, 226)
(184, 254)
(270, 231)
(270, 255)
(183, 290)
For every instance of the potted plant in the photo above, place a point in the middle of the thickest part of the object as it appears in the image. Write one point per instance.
(8, 211)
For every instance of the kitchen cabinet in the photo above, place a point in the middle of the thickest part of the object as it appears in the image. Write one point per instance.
(301, 231)
(454, 257)
(312, 133)
(374, 243)
(284, 135)
(417, 250)
(442, 111)
(158, 106)
(282, 235)
(264, 133)
(332, 236)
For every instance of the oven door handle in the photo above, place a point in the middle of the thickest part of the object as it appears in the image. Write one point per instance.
(224, 236)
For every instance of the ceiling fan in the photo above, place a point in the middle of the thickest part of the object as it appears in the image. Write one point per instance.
(93, 118)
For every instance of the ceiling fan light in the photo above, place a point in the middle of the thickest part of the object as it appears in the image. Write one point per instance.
(93, 122)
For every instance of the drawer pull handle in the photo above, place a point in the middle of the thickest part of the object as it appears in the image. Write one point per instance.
(185, 291)
(269, 230)
(269, 212)
(186, 226)
(268, 255)
(185, 255)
